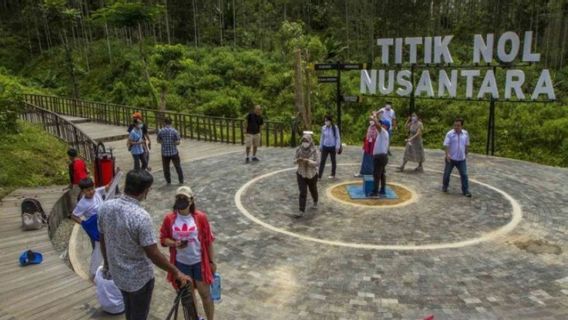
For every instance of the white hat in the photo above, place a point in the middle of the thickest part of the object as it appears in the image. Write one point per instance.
(185, 191)
(311, 133)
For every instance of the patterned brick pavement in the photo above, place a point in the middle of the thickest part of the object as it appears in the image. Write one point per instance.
(270, 275)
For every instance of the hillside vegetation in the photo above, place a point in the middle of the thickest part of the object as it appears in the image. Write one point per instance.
(221, 58)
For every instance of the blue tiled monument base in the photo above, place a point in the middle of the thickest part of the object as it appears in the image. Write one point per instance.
(362, 191)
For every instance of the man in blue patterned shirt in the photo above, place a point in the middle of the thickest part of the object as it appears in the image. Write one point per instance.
(169, 138)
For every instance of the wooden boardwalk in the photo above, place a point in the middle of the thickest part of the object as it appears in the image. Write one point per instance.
(52, 290)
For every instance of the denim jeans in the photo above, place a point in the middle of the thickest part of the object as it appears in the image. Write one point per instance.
(140, 158)
(462, 168)
(137, 304)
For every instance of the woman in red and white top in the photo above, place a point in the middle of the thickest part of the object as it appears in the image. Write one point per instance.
(187, 233)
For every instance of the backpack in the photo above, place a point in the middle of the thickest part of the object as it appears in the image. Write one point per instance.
(340, 151)
(33, 216)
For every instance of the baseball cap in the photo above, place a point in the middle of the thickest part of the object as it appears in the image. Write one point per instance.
(184, 191)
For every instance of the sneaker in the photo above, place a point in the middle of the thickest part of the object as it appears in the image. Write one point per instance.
(382, 192)
(445, 190)
(247, 160)
(168, 183)
(315, 205)
(373, 194)
(357, 175)
(467, 194)
(255, 159)
(299, 214)
(331, 177)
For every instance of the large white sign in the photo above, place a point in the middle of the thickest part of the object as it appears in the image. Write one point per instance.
(436, 50)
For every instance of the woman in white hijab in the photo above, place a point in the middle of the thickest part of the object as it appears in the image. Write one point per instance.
(307, 158)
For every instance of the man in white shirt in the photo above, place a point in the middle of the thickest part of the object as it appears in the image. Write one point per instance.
(380, 159)
(456, 146)
(388, 116)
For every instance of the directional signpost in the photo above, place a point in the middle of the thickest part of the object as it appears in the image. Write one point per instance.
(337, 80)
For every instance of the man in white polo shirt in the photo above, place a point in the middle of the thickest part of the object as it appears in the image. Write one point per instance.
(380, 159)
(388, 116)
(456, 146)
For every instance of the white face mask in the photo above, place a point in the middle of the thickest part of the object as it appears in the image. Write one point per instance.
(328, 123)
(139, 126)
(388, 107)
(371, 123)
(414, 118)
(305, 145)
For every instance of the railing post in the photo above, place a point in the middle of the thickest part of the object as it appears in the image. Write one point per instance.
(267, 135)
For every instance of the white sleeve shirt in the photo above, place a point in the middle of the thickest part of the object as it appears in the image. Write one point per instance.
(456, 144)
(381, 143)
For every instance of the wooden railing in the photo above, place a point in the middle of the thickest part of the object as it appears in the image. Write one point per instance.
(193, 126)
(59, 127)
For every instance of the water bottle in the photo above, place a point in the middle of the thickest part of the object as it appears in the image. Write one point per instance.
(216, 288)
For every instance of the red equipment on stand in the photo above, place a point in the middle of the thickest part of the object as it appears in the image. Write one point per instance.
(104, 165)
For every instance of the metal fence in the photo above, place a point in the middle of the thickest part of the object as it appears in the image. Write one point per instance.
(193, 126)
(59, 127)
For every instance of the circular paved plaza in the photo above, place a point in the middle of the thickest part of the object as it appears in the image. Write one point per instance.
(501, 254)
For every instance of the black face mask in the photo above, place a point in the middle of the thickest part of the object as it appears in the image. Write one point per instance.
(181, 203)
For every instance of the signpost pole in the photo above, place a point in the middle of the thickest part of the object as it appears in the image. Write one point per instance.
(338, 95)
(412, 100)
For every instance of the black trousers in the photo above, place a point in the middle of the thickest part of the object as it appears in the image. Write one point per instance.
(140, 158)
(303, 185)
(324, 152)
(379, 164)
(137, 304)
(166, 166)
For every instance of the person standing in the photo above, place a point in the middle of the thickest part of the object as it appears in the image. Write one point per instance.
(307, 159)
(254, 122)
(368, 145)
(187, 233)
(77, 172)
(330, 143)
(85, 214)
(136, 146)
(388, 116)
(147, 142)
(129, 245)
(414, 150)
(380, 160)
(456, 145)
(169, 138)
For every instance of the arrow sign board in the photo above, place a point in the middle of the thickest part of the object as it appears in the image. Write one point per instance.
(325, 66)
(327, 79)
(352, 66)
(351, 98)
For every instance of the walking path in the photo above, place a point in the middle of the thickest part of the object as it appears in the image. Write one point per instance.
(499, 255)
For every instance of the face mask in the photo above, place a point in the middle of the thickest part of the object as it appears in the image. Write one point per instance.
(371, 123)
(328, 123)
(414, 118)
(388, 107)
(305, 145)
(139, 126)
(181, 203)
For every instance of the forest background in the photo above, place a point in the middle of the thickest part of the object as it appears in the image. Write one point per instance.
(220, 57)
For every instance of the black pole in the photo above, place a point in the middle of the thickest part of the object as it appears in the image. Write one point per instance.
(492, 107)
(489, 119)
(338, 97)
(412, 100)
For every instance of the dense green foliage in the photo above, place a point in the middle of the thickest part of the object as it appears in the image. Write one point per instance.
(221, 57)
(31, 158)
